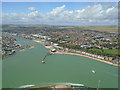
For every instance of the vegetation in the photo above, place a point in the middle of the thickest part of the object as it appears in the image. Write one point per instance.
(69, 39)
(105, 28)
(103, 52)
(112, 28)
(107, 52)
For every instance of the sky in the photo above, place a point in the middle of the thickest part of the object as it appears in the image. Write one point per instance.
(60, 13)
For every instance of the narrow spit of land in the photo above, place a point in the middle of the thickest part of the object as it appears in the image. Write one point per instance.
(26, 49)
(39, 41)
(107, 62)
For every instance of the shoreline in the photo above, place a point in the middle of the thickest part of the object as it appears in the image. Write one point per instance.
(107, 62)
(17, 51)
(39, 41)
(26, 48)
(68, 53)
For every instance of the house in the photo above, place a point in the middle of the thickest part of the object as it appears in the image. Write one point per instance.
(85, 46)
(53, 50)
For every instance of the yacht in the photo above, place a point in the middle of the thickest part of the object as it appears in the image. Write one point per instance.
(43, 61)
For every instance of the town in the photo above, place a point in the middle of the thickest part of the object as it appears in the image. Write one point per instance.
(10, 45)
(94, 43)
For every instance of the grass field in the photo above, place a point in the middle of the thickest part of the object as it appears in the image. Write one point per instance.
(112, 28)
(66, 27)
(104, 28)
(69, 39)
(106, 51)
(111, 51)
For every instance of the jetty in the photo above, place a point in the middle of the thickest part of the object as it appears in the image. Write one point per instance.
(49, 53)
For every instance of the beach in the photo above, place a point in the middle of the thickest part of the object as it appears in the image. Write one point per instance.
(26, 49)
(107, 62)
(39, 41)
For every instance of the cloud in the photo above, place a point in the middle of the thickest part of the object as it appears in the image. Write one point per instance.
(57, 10)
(90, 15)
(32, 8)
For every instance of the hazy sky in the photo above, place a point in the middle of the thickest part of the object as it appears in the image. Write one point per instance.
(60, 13)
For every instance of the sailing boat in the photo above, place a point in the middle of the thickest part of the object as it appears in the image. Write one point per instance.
(43, 61)
(93, 71)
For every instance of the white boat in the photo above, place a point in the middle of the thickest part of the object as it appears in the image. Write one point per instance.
(93, 71)
(43, 61)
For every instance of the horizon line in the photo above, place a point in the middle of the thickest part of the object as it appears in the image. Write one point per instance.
(62, 25)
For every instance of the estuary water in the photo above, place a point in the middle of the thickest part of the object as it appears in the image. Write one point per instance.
(25, 68)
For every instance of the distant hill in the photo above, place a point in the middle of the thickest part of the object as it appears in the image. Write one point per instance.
(112, 28)
(106, 28)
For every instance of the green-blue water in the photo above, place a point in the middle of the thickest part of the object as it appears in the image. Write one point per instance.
(25, 68)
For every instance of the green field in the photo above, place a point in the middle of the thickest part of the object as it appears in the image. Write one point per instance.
(112, 28)
(69, 39)
(105, 51)
(102, 28)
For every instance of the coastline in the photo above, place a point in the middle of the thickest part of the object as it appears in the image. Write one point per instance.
(17, 51)
(39, 41)
(26, 49)
(107, 62)
(68, 53)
